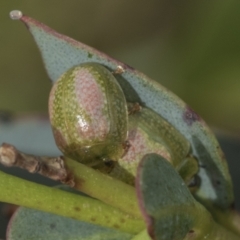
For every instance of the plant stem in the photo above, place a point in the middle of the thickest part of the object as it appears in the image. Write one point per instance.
(72, 173)
(142, 236)
(229, 219)
(220, 233)
(21, 192)
(206, 228)
(105, 188)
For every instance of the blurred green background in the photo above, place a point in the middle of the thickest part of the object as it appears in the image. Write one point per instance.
(191, 47)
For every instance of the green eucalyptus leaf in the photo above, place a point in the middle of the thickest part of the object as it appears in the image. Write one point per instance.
(164, 199)
(29, 224)
(60, 53)
(169, 209)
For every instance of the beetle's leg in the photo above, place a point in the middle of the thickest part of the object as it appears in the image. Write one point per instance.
(133, 108)
(106, 165)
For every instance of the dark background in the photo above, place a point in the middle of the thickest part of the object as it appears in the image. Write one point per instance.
(191, 47)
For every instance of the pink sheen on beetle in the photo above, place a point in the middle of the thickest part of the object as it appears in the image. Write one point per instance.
(91, 99)
(140, 145)
(88, 111)
(59, 139)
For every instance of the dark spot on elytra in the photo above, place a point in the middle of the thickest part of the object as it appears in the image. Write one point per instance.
(52, 225)
(189, 116)
(57, 207)
(93, 219)
(191, 231)
(77, 209)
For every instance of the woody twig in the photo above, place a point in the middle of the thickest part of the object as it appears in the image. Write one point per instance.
(51, 167)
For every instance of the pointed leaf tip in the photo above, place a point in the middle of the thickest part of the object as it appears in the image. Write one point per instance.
(16, 14)
(60, 52)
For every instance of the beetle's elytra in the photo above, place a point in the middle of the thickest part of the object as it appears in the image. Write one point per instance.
(150, 133)
(88, 114)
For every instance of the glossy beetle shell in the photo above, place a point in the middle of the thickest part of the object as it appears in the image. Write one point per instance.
(150, 133)
(88, 114)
